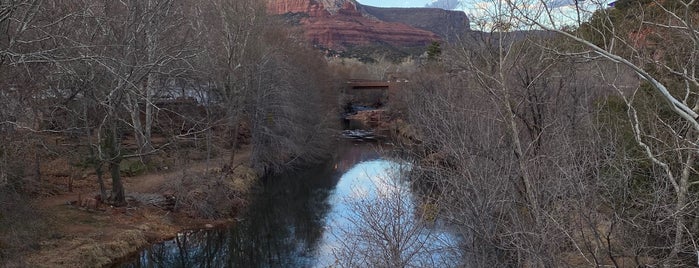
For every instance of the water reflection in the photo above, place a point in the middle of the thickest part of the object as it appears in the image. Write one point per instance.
(300, 220)
(376, 221)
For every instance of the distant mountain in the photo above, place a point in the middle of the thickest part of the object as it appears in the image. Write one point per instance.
(343, 24)
(448, 24)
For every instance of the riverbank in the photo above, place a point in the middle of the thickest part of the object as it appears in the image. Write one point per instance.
(79, 236)
(318, 216)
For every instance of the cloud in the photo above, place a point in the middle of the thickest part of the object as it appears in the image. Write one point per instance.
(561, 3)
(444, 4)
(562, 12)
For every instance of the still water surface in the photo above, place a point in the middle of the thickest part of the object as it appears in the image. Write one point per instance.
(320, 217)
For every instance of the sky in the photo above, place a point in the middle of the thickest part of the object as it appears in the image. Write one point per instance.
(563, 10)
(394, 3)
(445, 4)
(408, 3)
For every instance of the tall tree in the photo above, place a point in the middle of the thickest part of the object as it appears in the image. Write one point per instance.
(234, 30)
(632, 35)
(506, 146)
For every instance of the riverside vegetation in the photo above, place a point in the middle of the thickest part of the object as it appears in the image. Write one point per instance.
(148, 114)
(541, 143)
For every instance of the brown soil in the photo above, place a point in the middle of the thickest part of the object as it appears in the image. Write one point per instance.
(81, 237)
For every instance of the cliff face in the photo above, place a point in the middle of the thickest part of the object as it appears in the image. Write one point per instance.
(310, 7)
(339, 31)
(314, 8)
(337, 24)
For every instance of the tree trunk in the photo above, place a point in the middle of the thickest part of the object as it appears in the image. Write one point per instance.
(37, 164)
(151, 78)
(3, 167)
(100, 180)
(151, 85)
(142, 140)
(681, 203)
(114, 143)
(511, 120)
(234, 128)
(118, 198)
(526, 183)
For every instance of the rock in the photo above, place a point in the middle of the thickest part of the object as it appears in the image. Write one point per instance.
(337, 24)
(338, 32)
(314, 8)
(165, 201)
(358, 134)
(310, 7)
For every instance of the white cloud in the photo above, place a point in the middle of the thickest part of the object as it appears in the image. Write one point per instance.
(562, 12)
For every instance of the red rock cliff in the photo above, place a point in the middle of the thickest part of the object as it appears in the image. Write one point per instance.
(311, 7)
(338, 24)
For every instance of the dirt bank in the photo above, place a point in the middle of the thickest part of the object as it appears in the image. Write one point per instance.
(160, 205)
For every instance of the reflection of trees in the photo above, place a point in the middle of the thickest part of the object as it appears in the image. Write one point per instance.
(281, 229)
(352, 154)
(383, 228)
(189, 249)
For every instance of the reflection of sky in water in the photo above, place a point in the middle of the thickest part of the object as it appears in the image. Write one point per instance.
(298, 221)
(364, 180)
(360, 181)
(365, 183)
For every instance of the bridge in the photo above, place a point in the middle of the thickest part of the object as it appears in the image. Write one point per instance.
(362, 84)
(370, 92)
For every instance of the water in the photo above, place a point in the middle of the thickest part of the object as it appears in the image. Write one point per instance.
(354, 211)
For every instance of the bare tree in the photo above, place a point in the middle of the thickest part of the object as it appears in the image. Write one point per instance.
(386, 227)
(632, 35)
(234, 29)
(507, 148)
(288, 109)
(256, 80)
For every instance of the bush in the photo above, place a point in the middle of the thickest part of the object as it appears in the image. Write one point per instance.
(213, 195)
(21, 226)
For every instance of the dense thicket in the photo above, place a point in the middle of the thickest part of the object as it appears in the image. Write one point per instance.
(98, 73)
(570, 150)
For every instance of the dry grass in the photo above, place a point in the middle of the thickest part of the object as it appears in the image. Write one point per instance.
(21, 226)
(91, 251)
(80, 238)
(212, 195)
(243, 179)
(45, 231)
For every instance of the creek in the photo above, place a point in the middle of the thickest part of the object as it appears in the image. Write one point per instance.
(356, 210)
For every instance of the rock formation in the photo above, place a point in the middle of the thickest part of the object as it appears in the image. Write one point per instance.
(337, 24)
(311, 7)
